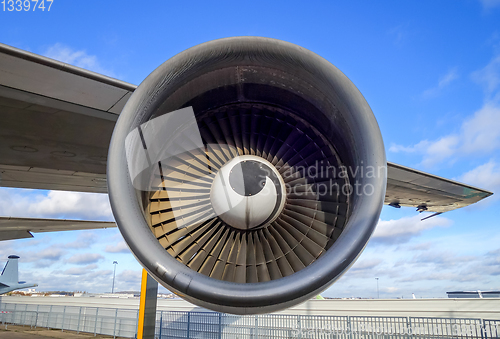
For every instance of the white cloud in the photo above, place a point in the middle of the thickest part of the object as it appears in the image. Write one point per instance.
(489, 76)
(400, 33)
(451, 266)
(480, 134)
(486, 175)
(50, 254)
(428, 269)
(392, 289)
(129, 280)
(42, 258)
(364, 268)
(443, 147)
(85, 258)
(366, 264)
(81, 278)
(441, 258)
(443, 82)
(493, 261)
(402, 230)
(6, 249)
(421, 247)
(56, 204)
(121, 247)
(84, 205)
(84, 240)
(395, 148)
(80, 270)
(78, 58)
(490, 3)
(54, 262)
(436, 275)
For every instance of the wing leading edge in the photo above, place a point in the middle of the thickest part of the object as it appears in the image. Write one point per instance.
(57, 122)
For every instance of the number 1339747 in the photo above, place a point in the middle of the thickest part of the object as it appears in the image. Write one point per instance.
(26, 5)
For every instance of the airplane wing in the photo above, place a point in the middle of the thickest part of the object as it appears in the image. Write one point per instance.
(57, 122)
(426, 192)
(18, 228)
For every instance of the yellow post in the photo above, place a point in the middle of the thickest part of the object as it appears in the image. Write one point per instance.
(147, 307)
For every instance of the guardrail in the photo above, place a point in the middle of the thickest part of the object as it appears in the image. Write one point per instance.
(123, 323)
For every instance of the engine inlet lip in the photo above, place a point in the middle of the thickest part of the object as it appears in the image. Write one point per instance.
(251, 297)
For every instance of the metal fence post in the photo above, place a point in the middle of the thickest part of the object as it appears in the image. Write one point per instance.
(64, 316)
(15, 314)
(348, 328)
(136, 323)
(256, 326)
(84, 322)
(161, 321)
(114, 328)
(220, 325)
(79, 318)
(23, 322)
(188, 324)
(299, 326)
(48, 317)
(95, 323)
(36, 319)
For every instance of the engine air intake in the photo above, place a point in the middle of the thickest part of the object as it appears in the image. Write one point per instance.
(244, 174)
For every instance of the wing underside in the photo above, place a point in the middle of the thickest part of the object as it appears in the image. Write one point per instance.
(57, 122)
(17, 228)
(427, 192)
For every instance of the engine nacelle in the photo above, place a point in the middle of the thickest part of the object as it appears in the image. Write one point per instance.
(246, 174)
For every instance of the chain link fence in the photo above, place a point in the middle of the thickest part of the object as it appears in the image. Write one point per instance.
(122, 323)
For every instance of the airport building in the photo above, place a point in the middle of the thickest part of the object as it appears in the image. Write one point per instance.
(474, 294)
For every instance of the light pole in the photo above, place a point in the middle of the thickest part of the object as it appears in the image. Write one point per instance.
(114, 273)
(378, 294)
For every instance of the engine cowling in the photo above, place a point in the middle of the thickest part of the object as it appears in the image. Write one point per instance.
(246, 174)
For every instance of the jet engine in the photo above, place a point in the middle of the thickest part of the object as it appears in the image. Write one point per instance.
(246, 174)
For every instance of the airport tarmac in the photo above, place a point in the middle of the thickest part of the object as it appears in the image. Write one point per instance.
(26, 332)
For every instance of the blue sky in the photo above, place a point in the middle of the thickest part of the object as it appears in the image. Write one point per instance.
(430, 70)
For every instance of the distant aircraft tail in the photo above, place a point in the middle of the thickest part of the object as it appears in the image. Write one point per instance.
(10, 276)
(10, 272)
